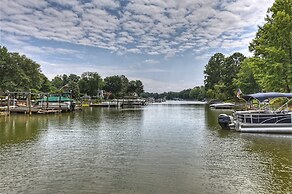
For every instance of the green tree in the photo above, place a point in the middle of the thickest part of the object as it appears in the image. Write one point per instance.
(220, 75)
(89, 83)
(57, 82)
(125, 83)
(139, 87)
(113, 84)
(198, 93)
(213, 70)
(46, 85)
(135, 86)
(74, 89)
(185, 94)
(246, 80)
(18, 73)
(230, 70)
(272, 48)
(74, 78)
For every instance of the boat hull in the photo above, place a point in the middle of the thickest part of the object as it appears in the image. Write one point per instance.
(261, 128)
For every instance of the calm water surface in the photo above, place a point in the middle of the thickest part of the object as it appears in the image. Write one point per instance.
(162, 148)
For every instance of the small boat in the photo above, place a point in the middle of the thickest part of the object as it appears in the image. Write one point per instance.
(222, 106)
(56, 103)
(262, 120)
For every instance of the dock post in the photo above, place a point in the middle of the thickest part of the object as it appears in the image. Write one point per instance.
(47, 101)
(60, 101)
(8, 104)
(29, 103)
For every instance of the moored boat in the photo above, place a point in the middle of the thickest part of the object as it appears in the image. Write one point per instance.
(222, 105)
(262, 120)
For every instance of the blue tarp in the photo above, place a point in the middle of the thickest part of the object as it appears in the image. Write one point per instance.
(263, 96)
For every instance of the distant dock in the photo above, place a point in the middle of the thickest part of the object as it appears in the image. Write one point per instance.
(120, 103)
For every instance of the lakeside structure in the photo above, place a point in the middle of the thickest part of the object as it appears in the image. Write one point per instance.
(45, 103)
(121, 103)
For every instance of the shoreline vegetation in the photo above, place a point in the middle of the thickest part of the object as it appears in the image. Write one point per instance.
(268, 69)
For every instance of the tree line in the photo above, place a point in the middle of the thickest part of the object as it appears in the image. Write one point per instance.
(90, 83)
(270, 67)
(19, 73)
(196, 93)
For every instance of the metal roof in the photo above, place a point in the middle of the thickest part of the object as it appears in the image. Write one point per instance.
(263, 96)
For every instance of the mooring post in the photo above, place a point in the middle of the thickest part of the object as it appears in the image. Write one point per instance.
(29, 103)
(47, 101)
(60, 102)
(8, 104)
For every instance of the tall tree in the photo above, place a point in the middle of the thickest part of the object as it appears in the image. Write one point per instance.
(74, 89)
(46, 85)
(230, 69)
(73, 77)
(246, 80)
(18, 73)
(113, 84)
(57, 82)
(89, 83)
(272, 48)
(125, 83)
(213, 70)
(220, 74)
(135, 86)
(198, 93)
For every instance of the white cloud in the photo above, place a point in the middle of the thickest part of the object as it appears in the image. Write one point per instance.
(150, 61)
(145, 27)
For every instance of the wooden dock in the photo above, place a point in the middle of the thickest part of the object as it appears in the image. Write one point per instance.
(120, 103)
(33, 110)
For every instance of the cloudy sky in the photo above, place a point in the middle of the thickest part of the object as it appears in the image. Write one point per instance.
(164, 43)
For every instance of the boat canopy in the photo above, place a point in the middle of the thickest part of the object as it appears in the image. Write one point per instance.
(56, 99)
(263, 96)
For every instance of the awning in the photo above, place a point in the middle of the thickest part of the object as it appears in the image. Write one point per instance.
(263, 96)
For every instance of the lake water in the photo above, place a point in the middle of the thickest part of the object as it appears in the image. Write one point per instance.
(160, 148)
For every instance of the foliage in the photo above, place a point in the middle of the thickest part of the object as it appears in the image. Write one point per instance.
(89, 83)
(125, 83)
(135, 87)
(113, 84)
(198, 93)
(74, 89)
(272, 48)
(246, 79)
(57, 81)
(230, 70)
(18, 73)
(213, 70)
(220, 75)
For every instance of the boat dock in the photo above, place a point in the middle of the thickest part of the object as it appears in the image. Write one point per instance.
(120, 103)
(27, 110)
(35, 103)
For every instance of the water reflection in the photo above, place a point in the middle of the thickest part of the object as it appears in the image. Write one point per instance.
(162, 148)
(20, 128)
(275, 153)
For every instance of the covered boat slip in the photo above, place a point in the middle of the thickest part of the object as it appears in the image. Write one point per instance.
(41, 103)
